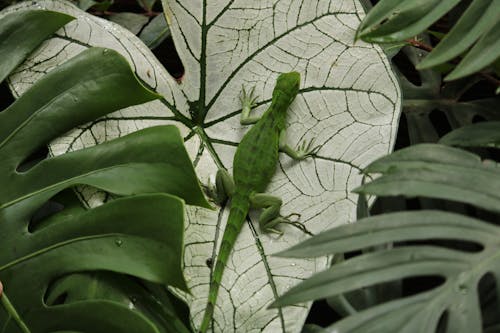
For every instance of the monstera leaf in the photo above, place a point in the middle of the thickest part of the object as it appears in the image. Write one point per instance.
(349, 103)
(454, 305)
(430, 99)
(39, 253)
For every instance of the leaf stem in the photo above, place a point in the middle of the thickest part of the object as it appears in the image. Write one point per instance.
(422, 46)
(12, 311)
(419, 45)
(111, 13)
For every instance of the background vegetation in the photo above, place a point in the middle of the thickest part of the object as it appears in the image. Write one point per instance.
(434, 265)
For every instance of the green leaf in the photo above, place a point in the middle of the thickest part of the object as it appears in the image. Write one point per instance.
(131, 21)
(432, 97)
(108, 238)
(457, 296)
(484, 53)
(103, 5)
(436, 171)
(349, 102)
(146, 4)
(86, 4)
(485, 134)
(14, 30)
(155, 32)
(475, 22)
(394, 20)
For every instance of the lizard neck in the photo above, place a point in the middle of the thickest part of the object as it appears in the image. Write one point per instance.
(279, 107)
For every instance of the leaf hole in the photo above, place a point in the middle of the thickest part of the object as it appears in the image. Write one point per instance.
(57, 300)
(442, 326)
(440, 122)
(488, 299)
(458, 245)
(407, 68)
(33, 159)
(478, 119)
(419, 284)
(6, 97)
(322, 314)
(352, 254)
(402, 138)
(481, 89)
(42, 214)
(169, 58)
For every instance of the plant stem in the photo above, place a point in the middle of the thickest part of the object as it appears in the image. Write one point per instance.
(13, 313)
(419, 45)
(422, 46)
(110, 13)
(490, 78)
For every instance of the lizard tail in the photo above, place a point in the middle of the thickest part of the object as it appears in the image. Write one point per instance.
(237, 215)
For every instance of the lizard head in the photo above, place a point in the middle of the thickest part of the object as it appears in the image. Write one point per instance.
(287, 87)
(288, 83)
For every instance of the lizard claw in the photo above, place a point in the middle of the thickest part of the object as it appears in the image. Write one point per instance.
(299, 226)
(287, 220)
(306, 149)
(289, 216)
(248, 100)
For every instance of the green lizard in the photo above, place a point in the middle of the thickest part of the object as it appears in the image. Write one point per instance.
(253, 167)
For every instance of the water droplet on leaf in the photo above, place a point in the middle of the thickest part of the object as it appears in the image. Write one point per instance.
(462, 281)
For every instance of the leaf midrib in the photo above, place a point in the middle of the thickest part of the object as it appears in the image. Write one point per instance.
(46, 106)
(54, 246)
(67, 181)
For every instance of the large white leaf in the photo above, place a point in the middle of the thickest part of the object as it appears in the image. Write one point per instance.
(349, 102)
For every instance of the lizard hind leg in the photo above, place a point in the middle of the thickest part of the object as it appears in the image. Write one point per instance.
(270, 217)
(223, 189)
(224, 184)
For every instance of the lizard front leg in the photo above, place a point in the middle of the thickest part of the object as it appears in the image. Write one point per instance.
(270, 216)
(248, 101)
(303, 150)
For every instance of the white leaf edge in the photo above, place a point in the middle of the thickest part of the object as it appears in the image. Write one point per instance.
(350, 103)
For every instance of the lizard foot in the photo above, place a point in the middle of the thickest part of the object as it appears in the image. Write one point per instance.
(248, 101)
(288, 220)
(305, 149)
(299, 226)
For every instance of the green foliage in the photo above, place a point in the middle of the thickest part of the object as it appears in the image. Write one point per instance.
(425, 170)
(432, 95)
(155, 32)
(479, 26)
(26, 37)
(94, 266)
(147, 4)
(459, 252)
(436, 171)
(131, 21)
(457, 295)
(476, 135)
(125, 251)
(102, 5)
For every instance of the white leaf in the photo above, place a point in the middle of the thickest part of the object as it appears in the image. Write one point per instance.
(349, 103)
